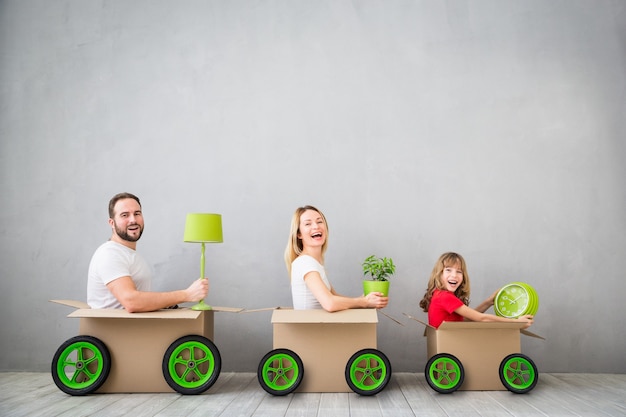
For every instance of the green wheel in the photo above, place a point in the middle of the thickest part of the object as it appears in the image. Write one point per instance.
(444, 373)
(81, 365)
(191, 364)
(518, 373)
(368, 372)
(280, 372)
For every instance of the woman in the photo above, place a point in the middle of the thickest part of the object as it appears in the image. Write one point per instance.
(304, 257)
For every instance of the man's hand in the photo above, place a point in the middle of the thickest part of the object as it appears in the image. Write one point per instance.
(198, 290)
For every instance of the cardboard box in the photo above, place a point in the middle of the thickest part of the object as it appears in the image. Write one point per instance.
(480, 347)
(325, 342)
(137, 342)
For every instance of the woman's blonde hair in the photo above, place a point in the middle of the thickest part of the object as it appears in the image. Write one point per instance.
(444, 261)
(294, 244)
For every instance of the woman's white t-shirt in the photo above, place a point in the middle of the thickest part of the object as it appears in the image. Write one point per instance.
(302, 297)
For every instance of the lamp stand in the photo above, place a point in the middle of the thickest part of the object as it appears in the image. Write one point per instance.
(201, 305)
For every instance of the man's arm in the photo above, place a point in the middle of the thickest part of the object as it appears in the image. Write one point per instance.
(135, 301)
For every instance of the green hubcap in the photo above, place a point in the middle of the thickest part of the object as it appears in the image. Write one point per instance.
(445, 373)
(280, 372)
(368, 372)
(80, 365)
(191, 364)
(519, 373)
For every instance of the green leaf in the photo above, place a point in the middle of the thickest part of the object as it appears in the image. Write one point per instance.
(380, 269)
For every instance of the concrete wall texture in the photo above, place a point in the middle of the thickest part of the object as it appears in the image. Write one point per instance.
(490, 128)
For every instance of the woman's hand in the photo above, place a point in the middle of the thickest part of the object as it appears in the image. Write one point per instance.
(376, 300)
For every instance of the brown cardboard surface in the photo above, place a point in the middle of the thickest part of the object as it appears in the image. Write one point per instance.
(480, 351)
(137, 342)
(325, 342)
(138, 345)
(480, 347)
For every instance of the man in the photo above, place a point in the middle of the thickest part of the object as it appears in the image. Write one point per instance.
(119, 277)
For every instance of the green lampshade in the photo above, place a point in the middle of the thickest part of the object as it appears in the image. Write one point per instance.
(203, 227)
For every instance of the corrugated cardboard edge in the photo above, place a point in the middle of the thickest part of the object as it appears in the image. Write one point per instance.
(228, 309)
(391, 318)
(470, 324)
(531, 334)
(426, 325)
(114, 313)
(364, 315)
(71, 303)
(256, 310)
(83, 310)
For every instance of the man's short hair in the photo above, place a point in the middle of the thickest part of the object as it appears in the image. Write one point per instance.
(118, 197)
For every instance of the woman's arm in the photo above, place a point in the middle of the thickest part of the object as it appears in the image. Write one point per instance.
(331, 301)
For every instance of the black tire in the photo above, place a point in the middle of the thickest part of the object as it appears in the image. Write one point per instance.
(368, 372)
(81, 365)
(280, 372)
(518, 373)
(444, 373)
(191, 365)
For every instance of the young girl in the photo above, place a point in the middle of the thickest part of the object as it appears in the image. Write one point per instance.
(304, 257)
(447, 296)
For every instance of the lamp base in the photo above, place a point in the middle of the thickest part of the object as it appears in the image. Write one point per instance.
(201, 306)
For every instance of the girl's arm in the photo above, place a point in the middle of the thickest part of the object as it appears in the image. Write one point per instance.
(473, 315)
(331, 301)
(485, 305)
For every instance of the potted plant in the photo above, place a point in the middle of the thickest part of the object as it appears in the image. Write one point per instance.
(380, 269)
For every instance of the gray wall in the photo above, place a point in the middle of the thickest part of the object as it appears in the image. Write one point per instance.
(491, 128)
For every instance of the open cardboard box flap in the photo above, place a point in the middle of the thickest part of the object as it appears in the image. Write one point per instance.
(453, 325)
(256, 310)
(71, 303)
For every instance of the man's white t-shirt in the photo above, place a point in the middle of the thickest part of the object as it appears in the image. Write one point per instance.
(302, 297)
(111, 261)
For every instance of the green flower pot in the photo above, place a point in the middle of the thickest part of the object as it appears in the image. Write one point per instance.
(376, 286)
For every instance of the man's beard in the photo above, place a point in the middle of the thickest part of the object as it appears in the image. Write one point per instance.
(124, 235)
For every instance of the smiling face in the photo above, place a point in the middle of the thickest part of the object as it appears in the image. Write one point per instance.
(127, 223)
(451, 277)
(312, 230)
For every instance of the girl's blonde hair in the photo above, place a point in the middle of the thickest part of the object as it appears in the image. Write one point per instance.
(444, 261)
(294, 244)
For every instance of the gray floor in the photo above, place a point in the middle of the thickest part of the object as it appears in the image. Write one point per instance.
(239, 394)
